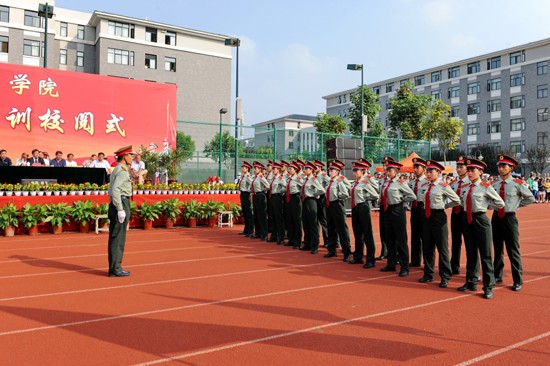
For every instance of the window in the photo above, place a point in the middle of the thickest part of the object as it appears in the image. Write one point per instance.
(170, 64)
(344, 99)
(517, 147)
(31, 48)
(517, 102)
(436, 76)
(62, 57)
(120, 57)
(121, 29)
(388, 104)
(473, 108)
(493, 84)
(80, 58)
(170, 38)
(290, 133)
(291, 145)
(471, 149)
(455, 111)
(389, 87)
(493, 105)
(473, 67)
(150, 34)
(454, 92)
(419, 80)
(542, 139)
(517, 57)
(473, 88)
(4, 14)
(517, 124)
(493, 63)
(80, 32)
(402, 82)
(542, 114)
(454, 72)
(473, 129)
(436, 94)
(63, 29)
(376, 90)
(542, 68)
(32, 19)
(493, 127)
(339, 99)
(542, 91)
(150, 61)
(4, 44)
(517, 79)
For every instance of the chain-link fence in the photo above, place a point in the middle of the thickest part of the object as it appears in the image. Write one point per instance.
(262, 144)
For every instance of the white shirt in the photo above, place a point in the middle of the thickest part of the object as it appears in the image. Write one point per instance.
(138, 166)
(101, 164)
(71, 164)
(21, 162)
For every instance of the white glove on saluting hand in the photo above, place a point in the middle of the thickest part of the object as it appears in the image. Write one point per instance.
(121, 216)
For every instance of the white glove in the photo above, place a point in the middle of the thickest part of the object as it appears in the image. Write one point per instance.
(121, 216)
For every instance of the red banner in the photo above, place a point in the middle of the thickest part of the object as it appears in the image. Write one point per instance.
(82, 113)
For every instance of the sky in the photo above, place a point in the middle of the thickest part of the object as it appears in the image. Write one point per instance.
(295, 52)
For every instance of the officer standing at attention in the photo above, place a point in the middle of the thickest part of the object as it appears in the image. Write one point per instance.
(504, 221)
(277, 191)
(336, 193)
(382, 231)
(435, 230)
(362, 192)
(310, 190)
(476, 198)
(456, 216)
(120, 191)
(258, 187)
(417, 211)
(293, 206)
(323, 178)
(392, 195)
(244, 188)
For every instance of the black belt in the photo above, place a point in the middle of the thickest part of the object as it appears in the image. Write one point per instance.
(245, 191)
(277, 194)
(397, 204)
(506, 213)
(127, 197)
(478, 213)
(436, 210)
(309, 198)
(361, 203)
(295, 194)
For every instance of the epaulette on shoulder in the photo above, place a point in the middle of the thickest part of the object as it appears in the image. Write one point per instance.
(369, 176)
(401, 181)
(280, 177)
(341, 178)
(485, 184)
(366, 181)
(443, 184)
(324, 174)
(260, 175)
(519, 181)
(425, 184)
(298, 177)
(124, 168)
(313, 178)
(454, 181)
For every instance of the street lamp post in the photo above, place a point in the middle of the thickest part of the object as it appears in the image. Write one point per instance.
(236, 42)
(356, 67)
(222, 112)
(46, 11)
(480, 157)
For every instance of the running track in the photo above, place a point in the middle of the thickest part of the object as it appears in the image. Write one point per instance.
(211, 297)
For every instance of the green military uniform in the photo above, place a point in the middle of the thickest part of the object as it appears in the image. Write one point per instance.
(381, 229)
(293, 202)
(258, 187)
(244, 187)
(417, 218)
(323, 178)
(277, 193)
(311, 189)
(456, 226)
(336, 192)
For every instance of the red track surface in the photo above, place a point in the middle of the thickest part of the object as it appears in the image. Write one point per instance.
(211, 297)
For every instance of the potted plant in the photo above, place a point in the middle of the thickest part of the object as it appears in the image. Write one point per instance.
(171, 208)
(102, 209)
(8, 188)
(236, 210)
(82, 213)
(9, 219)
(17, 189)
(210, 211)
(191, 212)
(148, 213)
(31, 216)
(26, 189)
(56, 215)
(103, 189)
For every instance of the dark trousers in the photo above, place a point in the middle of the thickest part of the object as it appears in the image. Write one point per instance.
(436, 235)
(294, 220)
(247, 213)
(337, 228)
(269, 213)
(260, 214)
(362, 231)
(276, 217)
(322, 217)
(456, 239)
(117, 235)
(505, 231)
(382, 230)
(311, 223)
(478, 238)
(416, 233)
(395, 226)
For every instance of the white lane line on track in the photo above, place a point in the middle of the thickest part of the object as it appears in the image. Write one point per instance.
(504, 349)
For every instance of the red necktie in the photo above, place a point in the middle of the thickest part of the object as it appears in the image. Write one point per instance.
(304, 190)
(415, 202)
(427, 202)
(456, 209)
(502, 211)
(469, 203)
(353, 194)
(288, 190)
(252, 185)
(271, 186)
(385, 196)
(327, 197)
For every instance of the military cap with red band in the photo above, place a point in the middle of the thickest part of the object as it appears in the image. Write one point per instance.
(309, 165)
(334, 165)
(388, 158)
(257, 164)
(124, 150)
(475, 163)
(319, 164)
(293, 165)
(430, 164)
(392, 164)
(365, 161)
(300, 163)
(419, 161)
(246, 164)
(461, 160)
(339, 163)
(284, 163)
(276, 165)
(507, 159)
(359, 165)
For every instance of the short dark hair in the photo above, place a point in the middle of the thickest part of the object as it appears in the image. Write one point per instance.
(100, 153)
(3, 150)
(34, 150)
(70, 154)
(58, 152)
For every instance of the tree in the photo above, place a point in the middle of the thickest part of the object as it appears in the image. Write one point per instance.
(370, 101)
(408, 112)
(185, 147)
(440, 126)
(489, 154)
(537, 157)
(328, 123)
(212, 148)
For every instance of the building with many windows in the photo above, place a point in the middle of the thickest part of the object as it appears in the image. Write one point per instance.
(198, 62)
(502, 97)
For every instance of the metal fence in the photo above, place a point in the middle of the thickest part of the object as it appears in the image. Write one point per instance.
(262, 144)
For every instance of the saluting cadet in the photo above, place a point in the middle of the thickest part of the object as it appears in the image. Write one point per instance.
(456, 217)
(392, 195)
(323, 178)
(277, 190)
(362, 192)
(336, 193)
(383, 246)
(258, 187)
(120, 191)
(436, 196)
(477, 196)
(310, 190)
(244, 186)
(293, 206)
(417, 211)
(504, 221)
